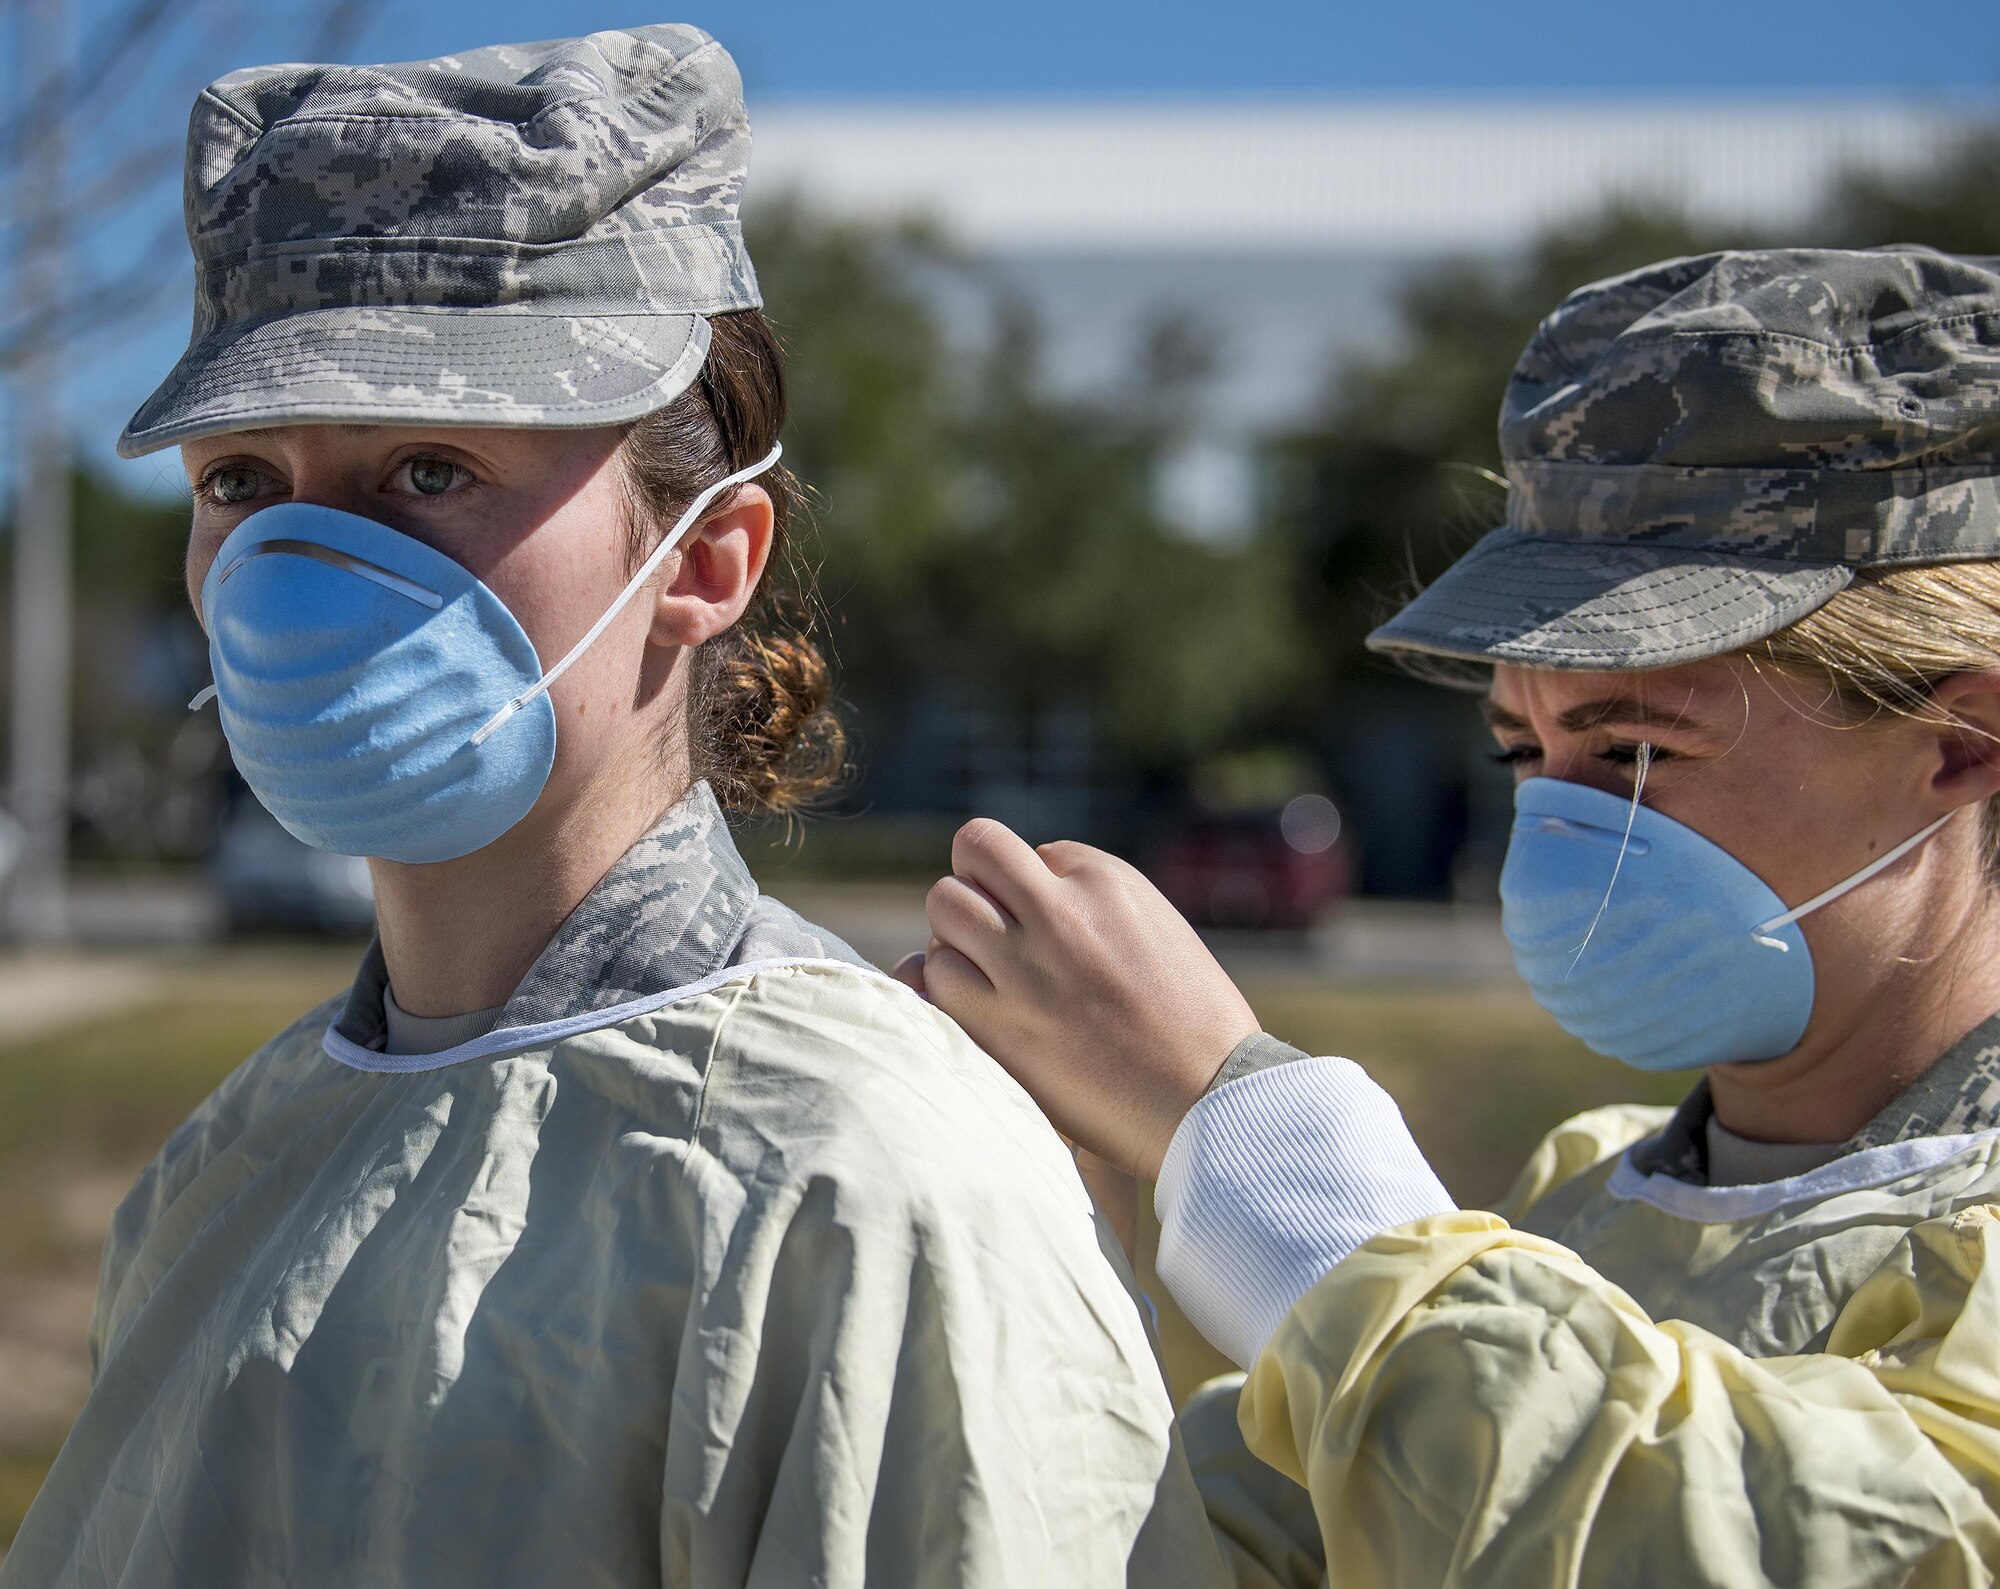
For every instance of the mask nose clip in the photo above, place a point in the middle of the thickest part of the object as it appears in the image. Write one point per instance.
(1610, 838)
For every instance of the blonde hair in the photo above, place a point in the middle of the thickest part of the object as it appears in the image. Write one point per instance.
(1886, 642)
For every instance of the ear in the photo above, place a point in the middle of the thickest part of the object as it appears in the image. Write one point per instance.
(1968, 747)
(720, 565)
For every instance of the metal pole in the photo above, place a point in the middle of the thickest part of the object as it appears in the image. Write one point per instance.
(40, 715)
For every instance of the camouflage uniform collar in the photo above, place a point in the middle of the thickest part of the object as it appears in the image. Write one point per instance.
(668, 914)
(1957, 1095)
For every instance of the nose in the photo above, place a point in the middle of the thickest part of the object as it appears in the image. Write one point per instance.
(337, 491)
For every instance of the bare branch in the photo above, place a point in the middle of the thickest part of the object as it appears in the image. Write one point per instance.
(92, 310)
(345, 21)
(98, 309)
(66, 94)
(130, 175)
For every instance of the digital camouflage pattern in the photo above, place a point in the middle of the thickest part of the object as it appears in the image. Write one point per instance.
(529, 234)
(1704, 451)
(678, 907)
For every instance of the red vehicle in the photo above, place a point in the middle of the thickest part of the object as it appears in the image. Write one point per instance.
(1274, 868)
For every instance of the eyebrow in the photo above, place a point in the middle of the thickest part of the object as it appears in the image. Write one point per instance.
(1607, 712)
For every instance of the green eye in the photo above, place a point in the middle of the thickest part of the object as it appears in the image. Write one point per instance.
(432, 476)
(233, 485)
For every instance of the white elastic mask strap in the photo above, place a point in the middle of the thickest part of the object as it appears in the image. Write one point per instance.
(1763, 930)
(647, 569)
(1624, 846)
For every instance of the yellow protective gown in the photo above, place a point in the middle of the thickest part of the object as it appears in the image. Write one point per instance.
(723, 1261)
(1636, 1379)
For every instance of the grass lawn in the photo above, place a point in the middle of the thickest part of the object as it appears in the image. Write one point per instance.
(1481, 1073)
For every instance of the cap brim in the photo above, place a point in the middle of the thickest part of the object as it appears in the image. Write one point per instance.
(1600, 606)
(423, 367)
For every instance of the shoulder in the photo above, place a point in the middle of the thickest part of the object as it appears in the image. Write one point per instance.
(774, 931)
(1577, 1146)
(271, 1075)
(831, 1070)
(289, 1063)
(1930, 1289)
(271, 1078)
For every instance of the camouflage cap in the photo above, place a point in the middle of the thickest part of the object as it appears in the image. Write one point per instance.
(1702, 452)
(526, 235)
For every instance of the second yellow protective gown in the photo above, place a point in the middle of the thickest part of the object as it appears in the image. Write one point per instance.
(1634, 1378)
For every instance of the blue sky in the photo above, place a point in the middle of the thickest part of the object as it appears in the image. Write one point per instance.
(1037, 47)
(903, 47)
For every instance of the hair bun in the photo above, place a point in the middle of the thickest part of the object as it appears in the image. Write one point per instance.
(761, 725)
(771, 741)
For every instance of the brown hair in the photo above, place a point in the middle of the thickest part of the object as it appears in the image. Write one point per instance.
(761, 728)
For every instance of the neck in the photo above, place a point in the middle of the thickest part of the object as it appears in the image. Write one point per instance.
(1940, 978)
(460, 935)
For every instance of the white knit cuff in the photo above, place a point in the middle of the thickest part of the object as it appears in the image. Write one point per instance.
(1270, 1181)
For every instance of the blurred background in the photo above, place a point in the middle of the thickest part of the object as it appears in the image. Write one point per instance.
(1142, 358)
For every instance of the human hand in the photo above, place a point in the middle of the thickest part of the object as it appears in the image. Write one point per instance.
(1114, 1192)
(1074, 972)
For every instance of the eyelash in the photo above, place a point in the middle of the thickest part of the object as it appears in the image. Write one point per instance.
(1616, 755)
(204, 487)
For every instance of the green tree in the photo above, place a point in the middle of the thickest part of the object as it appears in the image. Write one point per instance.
(1953, 205)
(975, 535)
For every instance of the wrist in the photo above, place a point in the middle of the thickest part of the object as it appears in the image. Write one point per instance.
(1193, 1079)
(1259, 1051)
(1272, 1180)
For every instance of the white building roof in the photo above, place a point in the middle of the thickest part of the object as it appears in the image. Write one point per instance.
(1329, 176)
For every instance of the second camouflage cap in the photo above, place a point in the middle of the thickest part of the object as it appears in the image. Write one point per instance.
(525, 235)
(1702, 452)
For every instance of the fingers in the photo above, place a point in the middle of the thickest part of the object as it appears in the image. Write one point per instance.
(991, 855)
(910, 972)
(952, 982)
(963, 914)
(1066, 857)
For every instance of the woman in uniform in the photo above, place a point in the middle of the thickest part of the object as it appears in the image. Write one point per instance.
(1741, 642)
(617, 1227)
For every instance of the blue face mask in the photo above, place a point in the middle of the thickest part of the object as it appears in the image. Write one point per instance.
(1649, 943)
(378, 698)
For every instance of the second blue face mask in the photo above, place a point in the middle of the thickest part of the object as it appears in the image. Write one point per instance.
(379, 699)
(1650, 943)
